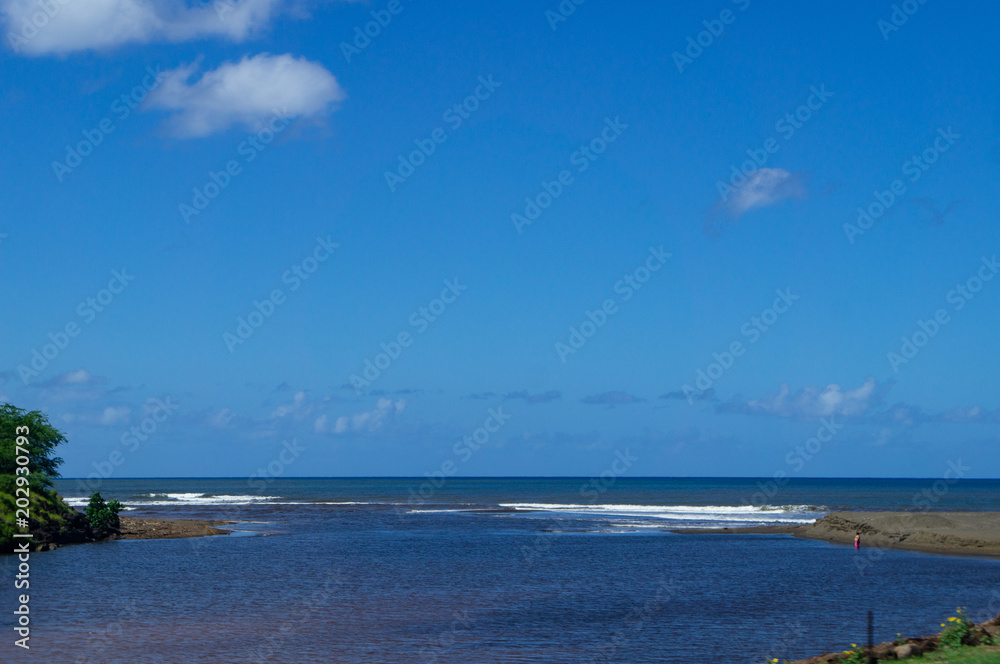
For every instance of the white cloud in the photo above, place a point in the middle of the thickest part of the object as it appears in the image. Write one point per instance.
(78, 385)
(813, 403)
(250, 92)
(221, 418)
(368, 420)
(764, 187)
(78, 377)
(78, 25)
(110, 416)
(114, 415)
(298, 405)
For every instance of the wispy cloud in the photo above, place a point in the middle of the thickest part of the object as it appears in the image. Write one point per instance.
(809, 403)
(522, 395)
(246, 93)
(77, 385)
(908, 415)
(544, 397)
(299, 406)
(81, 25)
(400, 392)
(221, 419)
(115, 415)
(77, 377)
(108, 417)
(765, 187)
(364, 421)
(862, 405)
(615, 398)
(704, 395)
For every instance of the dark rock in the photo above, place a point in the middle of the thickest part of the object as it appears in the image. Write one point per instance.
(73, 530)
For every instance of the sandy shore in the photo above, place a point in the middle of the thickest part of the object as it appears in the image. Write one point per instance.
(961, 533)
(139, 528)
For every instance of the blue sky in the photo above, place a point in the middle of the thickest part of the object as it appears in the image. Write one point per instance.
(199, 158)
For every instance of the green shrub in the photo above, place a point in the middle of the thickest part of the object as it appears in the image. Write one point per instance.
(956, 630)
(856, 655)
(101, 515)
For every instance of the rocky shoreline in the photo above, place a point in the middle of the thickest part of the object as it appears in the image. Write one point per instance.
(983, 633)
(76, 530)
(140, 528)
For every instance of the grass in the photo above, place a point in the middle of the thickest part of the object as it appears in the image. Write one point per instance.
(47, 508)
(962, 655)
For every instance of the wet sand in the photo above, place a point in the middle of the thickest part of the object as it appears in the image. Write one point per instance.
(139, 528)
(952, 533)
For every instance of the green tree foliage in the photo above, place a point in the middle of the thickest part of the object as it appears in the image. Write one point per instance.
(101, 515)
(46, 509)
(42, 437)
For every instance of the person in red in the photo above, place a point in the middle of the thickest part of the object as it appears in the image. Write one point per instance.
(857, 541)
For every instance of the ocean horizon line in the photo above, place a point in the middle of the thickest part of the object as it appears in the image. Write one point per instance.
(524, 477)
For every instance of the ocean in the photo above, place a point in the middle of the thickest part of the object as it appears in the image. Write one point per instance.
(375, 570)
